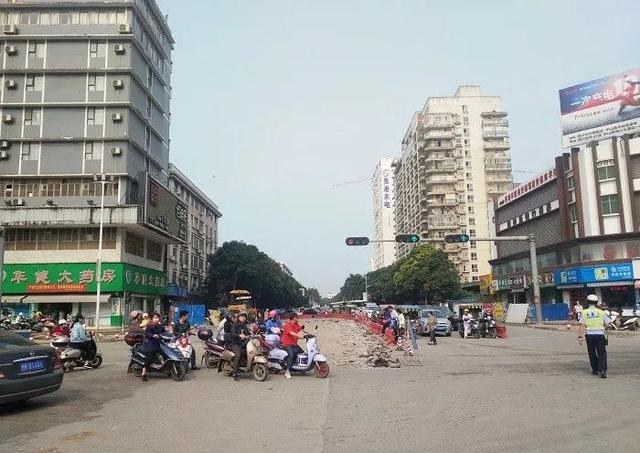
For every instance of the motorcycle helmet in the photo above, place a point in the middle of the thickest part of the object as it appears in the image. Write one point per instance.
(62, 322)
(205, 334)
(592, 298)
(134, 314)
(273, 314)
(243, 313)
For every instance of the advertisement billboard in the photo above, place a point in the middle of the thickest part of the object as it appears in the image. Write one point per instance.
(601, 108)
(164, 211)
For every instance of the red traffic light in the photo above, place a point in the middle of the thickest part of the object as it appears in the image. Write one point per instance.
(362, 240)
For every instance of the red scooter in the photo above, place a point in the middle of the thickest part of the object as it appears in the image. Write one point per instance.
(212, 348)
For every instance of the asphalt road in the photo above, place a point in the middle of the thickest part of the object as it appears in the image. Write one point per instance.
(530, 392)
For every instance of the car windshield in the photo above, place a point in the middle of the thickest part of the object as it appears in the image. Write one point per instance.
(10, 340)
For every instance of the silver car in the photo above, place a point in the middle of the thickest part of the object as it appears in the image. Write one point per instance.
(444, 325)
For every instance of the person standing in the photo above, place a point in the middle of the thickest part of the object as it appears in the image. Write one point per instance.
(577, 309)
(432, 326)
(466, 322)
(592, 327)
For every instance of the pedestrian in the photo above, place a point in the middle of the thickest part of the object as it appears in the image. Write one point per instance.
(432, 326)
(577, 309)
(592, 327)
(265, 315)
(401, 320)
(466, 322)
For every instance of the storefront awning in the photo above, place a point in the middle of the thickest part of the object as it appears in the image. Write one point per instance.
(570, 286)
(603, 284)
(55, 299)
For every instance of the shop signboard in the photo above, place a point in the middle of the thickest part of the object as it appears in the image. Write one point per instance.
(521, 281)
(613, 272)
(60, 278)
(164, 211)
(600, 109)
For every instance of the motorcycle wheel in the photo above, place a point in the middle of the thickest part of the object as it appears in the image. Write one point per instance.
(633, 326)
(96, 362)
(211, 362)
(227, 370)
(477, 335)
(321, 370)
(178, 372)
(260, 372)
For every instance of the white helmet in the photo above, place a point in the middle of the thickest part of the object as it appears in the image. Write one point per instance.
(62, 321)
(592, 298)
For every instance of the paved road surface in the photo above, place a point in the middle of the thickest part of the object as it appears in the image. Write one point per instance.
(531, 392)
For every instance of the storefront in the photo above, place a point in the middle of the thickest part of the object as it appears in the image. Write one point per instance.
(518, 289)
(59, 289)
(612, 282)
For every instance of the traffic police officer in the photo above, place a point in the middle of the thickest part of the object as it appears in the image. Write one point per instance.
(592, 327)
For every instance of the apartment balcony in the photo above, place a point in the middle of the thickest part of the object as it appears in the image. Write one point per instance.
(437, 190)
(497, 144)
(495, 123)
(431, 180)
(443, 166)
(431, 124)
(493, 114)
(437, 134)
(70, 216)
(499, 178)
(433, 145)
(437, 222)
(441, 202)
(497, 164)
(492, 133)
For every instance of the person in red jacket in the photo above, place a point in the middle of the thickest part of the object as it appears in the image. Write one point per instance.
(291, 333)
(62, 329)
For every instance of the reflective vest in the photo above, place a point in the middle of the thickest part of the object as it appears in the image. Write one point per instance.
(593, 319)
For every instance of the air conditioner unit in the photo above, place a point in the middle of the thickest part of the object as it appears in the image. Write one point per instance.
(11, 50)
(118, 83)
(116, 117)
(116, 151)
(10, 30)
(4, 155)
(17, 202)
(10, 83)
(5, 144)
(124, 29)
(7, 118)
(119, 49)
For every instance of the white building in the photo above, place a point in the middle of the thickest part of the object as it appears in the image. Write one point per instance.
(455, 157)
(384, 253)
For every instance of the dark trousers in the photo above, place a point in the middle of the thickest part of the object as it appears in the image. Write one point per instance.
(432, 336)
(87, 347)
(237, 351)
(193, 357)
(597, 352)
(292, 353)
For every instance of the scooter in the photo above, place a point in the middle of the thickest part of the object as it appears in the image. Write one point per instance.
(312, 359)
(184, 346)
(474, 331)
(212, 348)
(169, 360)
(251, 362)
(488, 327)
(72, 357)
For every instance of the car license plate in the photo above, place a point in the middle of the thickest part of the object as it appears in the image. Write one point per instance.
(32, 365)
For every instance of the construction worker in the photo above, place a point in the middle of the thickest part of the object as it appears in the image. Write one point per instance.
(592, 326)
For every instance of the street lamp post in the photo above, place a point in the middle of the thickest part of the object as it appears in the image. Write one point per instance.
(101, 179)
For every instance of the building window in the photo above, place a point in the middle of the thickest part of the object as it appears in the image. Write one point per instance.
(606, 172)
(610, 204)
(474, 256)
(32, 117)
(148, 108)
(34, 82)
(95, 116)
(93, 151)
(570, 182)
(30, 151)
(97, 49)
(35, 49)
(465, 109)
(134, 244)
(149, 77)
(474, 268)
(470, 209)
(96, 82)
(573, 213)
(472, 233)
(147, 137)
(472, 221)
(154, 251)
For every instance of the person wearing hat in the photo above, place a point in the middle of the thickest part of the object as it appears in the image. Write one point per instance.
(466, 322)
(238, 335)
(592, 328)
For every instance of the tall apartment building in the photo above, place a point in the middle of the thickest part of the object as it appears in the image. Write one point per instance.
(384, 253)
(455, 157)
(187, 266)
(85, 91)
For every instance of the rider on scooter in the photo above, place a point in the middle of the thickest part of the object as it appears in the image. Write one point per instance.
(181, 327)
(292, 332)
(78, 339)
(238, 336)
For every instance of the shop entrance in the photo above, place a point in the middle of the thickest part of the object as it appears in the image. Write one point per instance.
(619, 296)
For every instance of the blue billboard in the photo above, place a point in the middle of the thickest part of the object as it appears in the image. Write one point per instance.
(614, 272)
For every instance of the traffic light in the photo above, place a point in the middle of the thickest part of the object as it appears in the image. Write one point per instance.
(357, 241)
(456, 238)
(408, 238)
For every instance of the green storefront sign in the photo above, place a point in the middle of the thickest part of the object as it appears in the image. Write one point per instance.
(81, 278)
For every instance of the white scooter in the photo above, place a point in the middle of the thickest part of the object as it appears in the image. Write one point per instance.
(72, 357)
(312, 359)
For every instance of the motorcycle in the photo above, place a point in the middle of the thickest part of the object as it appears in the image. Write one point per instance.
(489, 328)
(169, 360)
(312, 359)
(212, 348)
(251, 362)
(71, 357)
(474, 330)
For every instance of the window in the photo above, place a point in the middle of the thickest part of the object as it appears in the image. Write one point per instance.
(150, 77)
(95, 116)
(470, 209)
(472, 221)
(147, 137)
(472, 233)
(34, 82)
(610, 204)
(35, 49)
(93, 151)
(32, 117)
(465, 120)
(570, 182)
(470, 198)
(154, 251)
(474, 256)
(148, 108)
(30, 151)
(465, 109)
(96, 82)
(65, 18)
(474, 268)
(573, 213)
(97, 49)
(134, 244)
(606, 172)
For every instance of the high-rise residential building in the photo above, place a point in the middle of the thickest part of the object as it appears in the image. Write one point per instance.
(455, 157)
(85, 94)
(384, 253)
(187, 266)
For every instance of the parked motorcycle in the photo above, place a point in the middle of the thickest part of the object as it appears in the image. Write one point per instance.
(251, 362)
(305, 362)
(169, 360)
(212, 349)
(71, 357)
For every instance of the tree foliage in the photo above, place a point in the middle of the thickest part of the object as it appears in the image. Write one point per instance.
(352, 289)
(237, 265)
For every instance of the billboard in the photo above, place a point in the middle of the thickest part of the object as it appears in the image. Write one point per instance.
(601, 108)
(164, 211)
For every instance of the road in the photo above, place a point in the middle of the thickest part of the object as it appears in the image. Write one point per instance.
(530, 392)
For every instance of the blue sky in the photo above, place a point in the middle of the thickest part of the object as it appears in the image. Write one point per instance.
(281, 99)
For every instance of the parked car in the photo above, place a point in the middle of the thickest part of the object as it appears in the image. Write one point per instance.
(444, 324)
(371, 310)
(27, 369)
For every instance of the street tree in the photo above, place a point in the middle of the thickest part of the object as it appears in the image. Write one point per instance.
(352, 289)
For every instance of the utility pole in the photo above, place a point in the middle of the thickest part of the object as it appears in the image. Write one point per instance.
(2, 234)
(102, 180)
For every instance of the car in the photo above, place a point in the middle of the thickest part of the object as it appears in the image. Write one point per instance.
(27, 369)
(444, 324)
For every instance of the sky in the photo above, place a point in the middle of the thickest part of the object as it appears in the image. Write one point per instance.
(275, 101)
